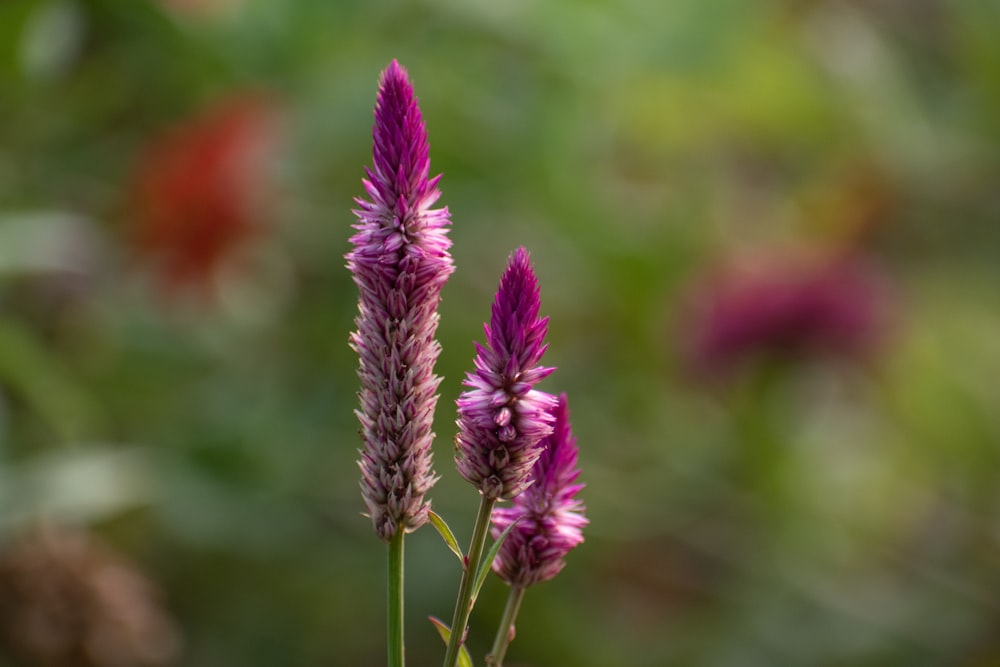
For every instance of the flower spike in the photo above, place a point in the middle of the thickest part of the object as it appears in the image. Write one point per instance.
(400, 262)
(550, 517)
(502, 418)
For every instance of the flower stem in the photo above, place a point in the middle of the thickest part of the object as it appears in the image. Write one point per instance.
(394, 623)
(505, 632)
(463, 605)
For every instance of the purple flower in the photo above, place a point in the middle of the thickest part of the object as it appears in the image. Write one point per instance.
(502, 419)
(550, 518)
(400, 262)
(785, 306)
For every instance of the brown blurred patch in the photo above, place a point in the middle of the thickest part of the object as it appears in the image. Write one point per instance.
(67, 600)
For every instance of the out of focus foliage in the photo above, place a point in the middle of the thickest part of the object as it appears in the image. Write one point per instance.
(767, 235)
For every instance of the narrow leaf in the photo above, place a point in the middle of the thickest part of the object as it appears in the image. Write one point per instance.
(449, 537)
(487, 562)
(464, 659)
(32, 373)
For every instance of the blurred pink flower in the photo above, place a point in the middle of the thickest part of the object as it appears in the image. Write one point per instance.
(784, 304)
(201, 190)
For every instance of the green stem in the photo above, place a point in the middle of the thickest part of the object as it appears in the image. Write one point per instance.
(394, 623)
(505, 632)
(463, 605)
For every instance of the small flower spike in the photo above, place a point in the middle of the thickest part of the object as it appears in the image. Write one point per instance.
(400, 262)
(502, 418)
(550, 517)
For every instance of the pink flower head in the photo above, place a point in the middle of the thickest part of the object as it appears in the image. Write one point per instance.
(782, 305)
(400, 262)
(550, 517)
(502, 418)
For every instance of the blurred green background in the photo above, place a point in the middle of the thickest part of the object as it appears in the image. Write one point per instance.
(187, 396)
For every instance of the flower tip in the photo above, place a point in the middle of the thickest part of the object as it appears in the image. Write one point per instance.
(394, 73)
(519, 274)
(520, 257)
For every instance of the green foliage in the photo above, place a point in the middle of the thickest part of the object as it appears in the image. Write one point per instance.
(806, 513)
(486, 563)
(449, 537)
(464, 659)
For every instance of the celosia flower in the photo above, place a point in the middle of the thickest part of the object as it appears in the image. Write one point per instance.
(400, 262)
(201, 190)
(784, 305)
(549, 517)
(502, 419)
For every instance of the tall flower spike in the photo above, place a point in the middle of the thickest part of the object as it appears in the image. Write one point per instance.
(502, 418)
(400, 262)
(550, 517)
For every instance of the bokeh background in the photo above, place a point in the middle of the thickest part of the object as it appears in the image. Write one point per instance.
(767, 237)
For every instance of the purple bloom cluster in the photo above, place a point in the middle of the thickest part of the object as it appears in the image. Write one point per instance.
(549, 517)
(400, 262)
(502, 418)
(784, 306)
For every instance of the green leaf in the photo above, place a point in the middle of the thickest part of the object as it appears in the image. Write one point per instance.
(449, 537)
(484, 565)
(464, 659)
(30, 370)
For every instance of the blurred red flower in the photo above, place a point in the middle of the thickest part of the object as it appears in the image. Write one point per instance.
(784, 304)
(202, 191)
